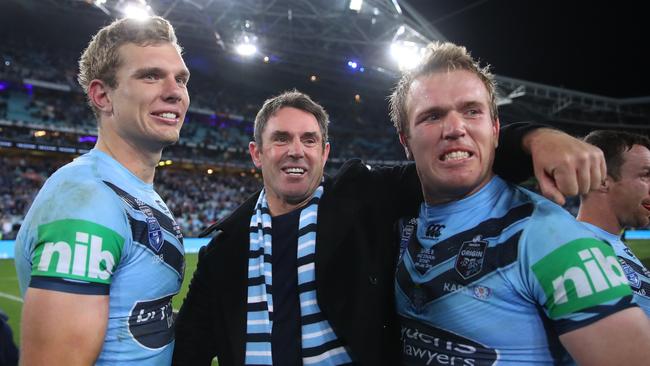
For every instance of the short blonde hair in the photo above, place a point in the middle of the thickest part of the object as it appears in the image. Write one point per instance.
(438, 57)
(101, 59)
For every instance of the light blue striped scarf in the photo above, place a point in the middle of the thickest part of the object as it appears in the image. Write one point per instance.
(320, 346)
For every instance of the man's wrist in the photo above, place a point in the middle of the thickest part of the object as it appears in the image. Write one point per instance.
(529, 139)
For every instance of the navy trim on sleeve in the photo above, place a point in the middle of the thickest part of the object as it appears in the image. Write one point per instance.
(69, 286)
(601, 311)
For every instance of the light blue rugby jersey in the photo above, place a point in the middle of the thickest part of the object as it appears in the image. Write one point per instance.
(495, 278)
(95, 228)
(637, 275)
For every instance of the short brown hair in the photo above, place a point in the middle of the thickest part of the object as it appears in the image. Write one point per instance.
(614, 144)
(293, 99)
(101, 59)
(438, 57)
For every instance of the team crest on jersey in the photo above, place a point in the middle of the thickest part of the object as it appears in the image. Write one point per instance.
(471, 257)
(631, 275)
(154, 232)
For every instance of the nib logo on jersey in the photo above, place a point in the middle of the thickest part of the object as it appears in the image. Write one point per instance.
(77, 249)
(579, 275)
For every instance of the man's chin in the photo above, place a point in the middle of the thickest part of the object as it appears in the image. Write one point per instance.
(298, 198)
(169, 141)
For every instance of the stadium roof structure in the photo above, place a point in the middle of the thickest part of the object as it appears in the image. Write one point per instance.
(326, 38)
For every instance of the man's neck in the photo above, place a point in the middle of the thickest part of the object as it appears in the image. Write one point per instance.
(278, 206)
(434, 197)
(599, 216)
(138, 161)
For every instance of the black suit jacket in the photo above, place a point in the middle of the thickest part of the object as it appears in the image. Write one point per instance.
(355, 260)
(355, 255)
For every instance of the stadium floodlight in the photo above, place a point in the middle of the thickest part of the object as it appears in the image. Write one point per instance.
(407, 54)
(137, 10)
(246, 44)
(353, 64)
(246, 49)
(356, 5)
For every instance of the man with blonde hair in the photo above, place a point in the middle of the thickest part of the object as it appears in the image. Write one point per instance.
(505, 276)
(99, 255)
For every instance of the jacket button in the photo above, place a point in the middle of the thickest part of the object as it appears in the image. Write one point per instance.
(372, 279)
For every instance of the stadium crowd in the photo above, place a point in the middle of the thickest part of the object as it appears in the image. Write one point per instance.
(196, 198)
(39, 105)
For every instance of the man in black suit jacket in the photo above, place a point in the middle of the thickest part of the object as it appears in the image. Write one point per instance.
(355, 251)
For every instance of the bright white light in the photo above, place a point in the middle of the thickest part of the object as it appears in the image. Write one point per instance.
(100, 2)
(407, 54)
(397, 7)
(138, 12)
(352, 64)
(246, 49)
(356, 5)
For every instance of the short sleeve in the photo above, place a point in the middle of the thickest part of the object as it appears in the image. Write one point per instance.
(77, 244)
(575, 278)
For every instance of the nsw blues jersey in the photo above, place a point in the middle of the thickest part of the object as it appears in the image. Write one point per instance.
(95, 228)
(495, 278)
(637, 274)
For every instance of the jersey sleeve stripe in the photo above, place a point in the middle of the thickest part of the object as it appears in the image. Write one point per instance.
(69, 286)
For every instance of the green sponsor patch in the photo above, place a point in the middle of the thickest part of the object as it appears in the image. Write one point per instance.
(77, 249)
(580, 274)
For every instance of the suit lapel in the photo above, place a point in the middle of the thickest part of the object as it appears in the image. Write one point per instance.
(235, 277)
(336, 217)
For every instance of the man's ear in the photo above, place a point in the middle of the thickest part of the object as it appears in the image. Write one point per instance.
(326, 152)
(98, 93)
(403, 139)
(605, 185)
(255, 152)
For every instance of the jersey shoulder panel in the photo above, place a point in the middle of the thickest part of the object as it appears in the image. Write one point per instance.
(77, 226)
(570, 271)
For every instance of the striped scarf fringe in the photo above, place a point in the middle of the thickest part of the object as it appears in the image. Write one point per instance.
(320, 346)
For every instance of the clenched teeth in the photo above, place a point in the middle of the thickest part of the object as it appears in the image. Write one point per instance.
(455, 155)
